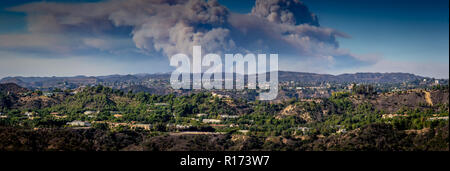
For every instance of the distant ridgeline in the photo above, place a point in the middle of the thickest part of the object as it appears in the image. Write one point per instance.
(121, 81)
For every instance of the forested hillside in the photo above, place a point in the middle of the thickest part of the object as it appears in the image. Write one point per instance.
(88, 118)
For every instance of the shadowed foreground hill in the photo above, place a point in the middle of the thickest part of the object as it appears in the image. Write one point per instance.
(11, 88)
(381, 137)
(374, 137)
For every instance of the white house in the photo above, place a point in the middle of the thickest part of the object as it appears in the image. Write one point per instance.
(3, 116)
(201, 114)
(244, 131)
(79, 123)
(341, 131)
(161, 104)
(90, 112)
(29, 114)
(211, 121)
(229, 116)
(304, 129)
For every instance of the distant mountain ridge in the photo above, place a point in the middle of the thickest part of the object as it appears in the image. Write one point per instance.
(32, 82)
(357, 77)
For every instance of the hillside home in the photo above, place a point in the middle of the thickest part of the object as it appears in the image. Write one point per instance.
(142, 126)
(90, 112)
(211, 121)
(201, 115)
(229, 116)
(79, 123)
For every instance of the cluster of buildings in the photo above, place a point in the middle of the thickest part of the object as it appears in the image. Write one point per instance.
(390, 116)
(438, 118)
(132, 125)
(57, 115)
(214, 94)
(211, 121)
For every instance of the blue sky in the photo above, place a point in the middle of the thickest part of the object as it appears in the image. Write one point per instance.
(401, 30)
(407, 35)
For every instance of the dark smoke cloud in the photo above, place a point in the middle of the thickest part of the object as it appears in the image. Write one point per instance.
(284, 11)
(174, 26)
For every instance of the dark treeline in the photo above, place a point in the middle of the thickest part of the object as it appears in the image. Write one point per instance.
(373, 137)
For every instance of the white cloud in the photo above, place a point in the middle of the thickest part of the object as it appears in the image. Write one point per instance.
(174, 26)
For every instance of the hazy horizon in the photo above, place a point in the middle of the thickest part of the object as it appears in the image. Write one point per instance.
(44, 76)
